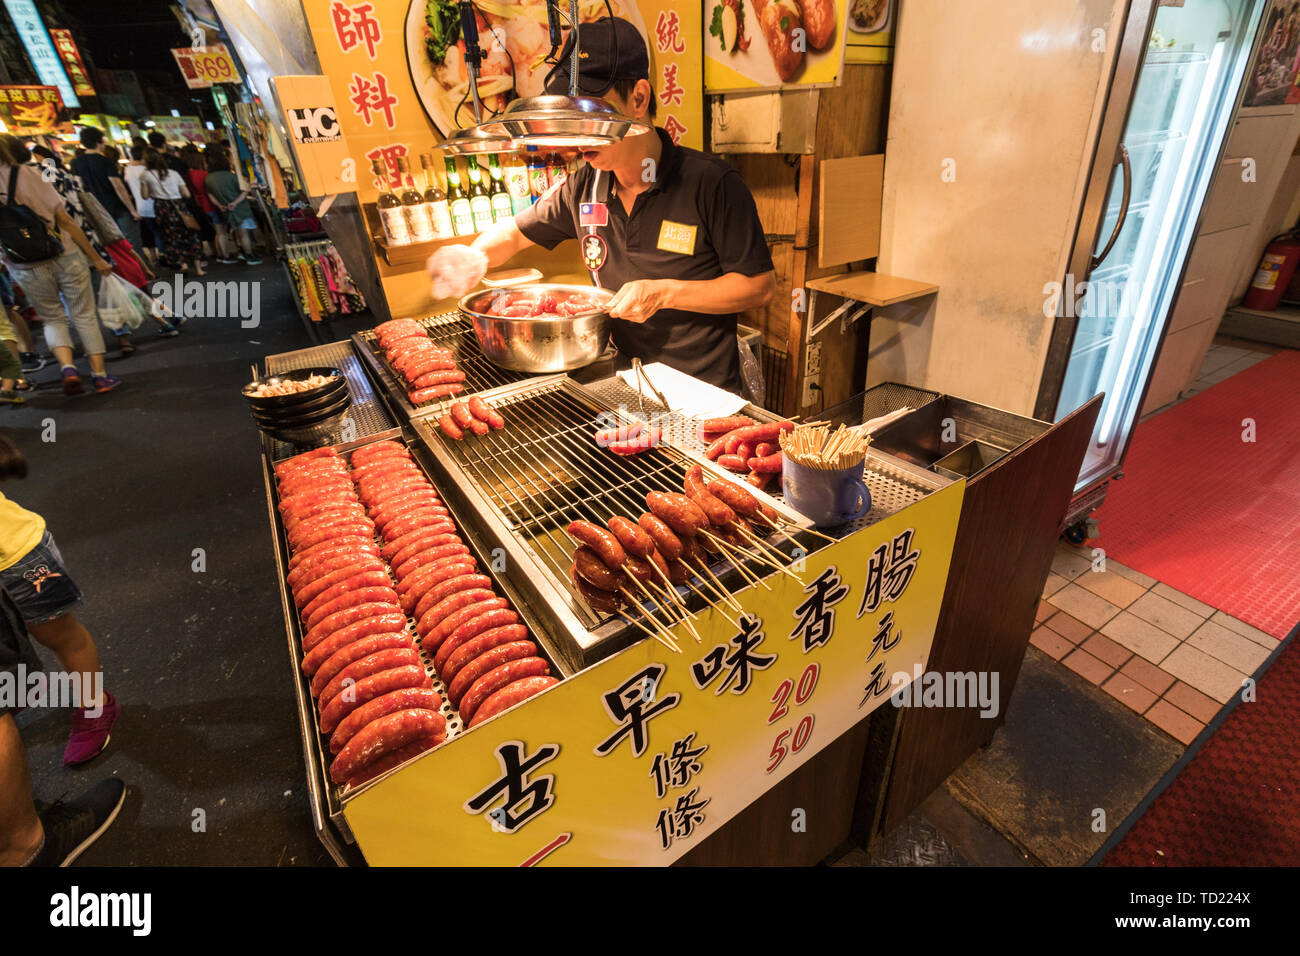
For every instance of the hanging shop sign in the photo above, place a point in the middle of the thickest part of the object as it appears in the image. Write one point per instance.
(324, 160)
(40, 48)
(109, 125)
(32, 110)
(72, 63)
(639, 758)
(777, 44)
(177, 128)
(206, 65)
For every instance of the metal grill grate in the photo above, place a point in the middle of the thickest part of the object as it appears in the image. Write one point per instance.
(366, 414)
(544, 471)
(450, 330)
(890, 397)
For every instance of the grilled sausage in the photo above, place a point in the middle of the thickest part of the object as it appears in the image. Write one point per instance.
(345, 655)
(362, 595)
(487, 661)
(368, 688)
(370, 664)
(631, 536)
(440, 590)
(735, 497)
(384, 736)
(450, 428)
(506, 634)
(385, 622)
(605, 601)
(497, 678)
(510, 695)
(592, 569)
(407, 698)
(485, 620)
(599, 540)
(665, 540)
(679, 512)
(486, 413)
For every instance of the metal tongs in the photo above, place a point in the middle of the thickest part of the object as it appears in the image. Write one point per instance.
(639, 371)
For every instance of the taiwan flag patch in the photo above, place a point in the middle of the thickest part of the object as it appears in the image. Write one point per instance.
(593, 214)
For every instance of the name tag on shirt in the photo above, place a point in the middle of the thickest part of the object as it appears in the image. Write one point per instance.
(677, 237)
(593, 214)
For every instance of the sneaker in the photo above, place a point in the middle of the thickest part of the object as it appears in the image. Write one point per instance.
(226, 261)
(252, 261)
(72, 382)
(167, 331)
(90, 735)
(8, 397)
(105, 383)
(32, 362)
(72, 827)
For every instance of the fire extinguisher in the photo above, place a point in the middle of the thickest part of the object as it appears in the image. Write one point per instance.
(1276, 267)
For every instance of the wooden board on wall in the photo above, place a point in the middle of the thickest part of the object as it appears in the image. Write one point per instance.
(850, 193)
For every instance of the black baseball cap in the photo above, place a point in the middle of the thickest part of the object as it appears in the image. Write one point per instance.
(608, 50)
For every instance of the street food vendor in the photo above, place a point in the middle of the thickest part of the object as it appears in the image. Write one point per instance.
(673, 230)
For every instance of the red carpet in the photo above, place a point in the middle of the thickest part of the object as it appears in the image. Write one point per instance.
(1210, 514)
(1237, 803)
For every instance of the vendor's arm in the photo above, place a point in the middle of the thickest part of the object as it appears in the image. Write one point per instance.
(501, 243)
(733, 292)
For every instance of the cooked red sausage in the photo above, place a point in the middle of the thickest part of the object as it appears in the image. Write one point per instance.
(450, 428)
(659, 563)
(744, 451)
(715, 510)
(438, 574)
(434, 571)
(436, 633)
(716, 448)
(735, 497)
(644, 442)
(295, 516)
(765, 448)
(626, 432)
(413, 521)
(327, 648)
(368, 688)
(638, 568)
(331, 532)
(438, 376)
(679, 512)
(485, 620)
(606, 601)
(298, 461)
(499, 677)
(383, 736)
(309, 496)
(358, 581)
(678, 573)
(768, 465)
(422, 558)
(343, 618)
(345, 655)
(393, 759)
(370, 664)
(308, 590)
(760, 479)
(479, 428)
(733, 463)
(691, 552)
(355, 544)
(419, 396)
(594, 570)
(405, 500)
(460, 412)
(326, 564)
(406, 698)
(399, 549)
(630, 535)
(486, 413)
(716, 426)
(665, 540)
(368, 453)
(386, 621)
(506, 634)
(362, 595)
(599, 540)
(732, 442)
(427, 509)
(488, 660)
(387, 465)
(464, 582)
(511, 694)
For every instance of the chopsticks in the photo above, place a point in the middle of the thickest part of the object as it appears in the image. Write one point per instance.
(816, 446)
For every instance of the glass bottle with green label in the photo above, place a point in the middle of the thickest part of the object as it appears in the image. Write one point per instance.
(516, 176)
(418, 221)
(436, 200)
(391, 216)
(480, 203)
(501, 208)
(462, 217)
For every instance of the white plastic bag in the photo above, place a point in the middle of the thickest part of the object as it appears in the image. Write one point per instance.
(118, 309)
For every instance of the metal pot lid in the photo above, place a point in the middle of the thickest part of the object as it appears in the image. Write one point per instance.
(477, 140)
(563, 121)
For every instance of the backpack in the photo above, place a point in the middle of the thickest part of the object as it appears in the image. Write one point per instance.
(24, 236)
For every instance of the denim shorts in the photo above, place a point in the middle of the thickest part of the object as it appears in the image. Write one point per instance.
(40, 585)
(216, 217)
(249, 223)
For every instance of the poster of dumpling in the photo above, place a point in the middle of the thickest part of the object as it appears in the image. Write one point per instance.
(773, 44)
(517, 56)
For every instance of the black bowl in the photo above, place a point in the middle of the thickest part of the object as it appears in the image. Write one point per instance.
(308, 418)
(288, 401)
(316, 400)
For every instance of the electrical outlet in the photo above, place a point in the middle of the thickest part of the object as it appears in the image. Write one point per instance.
(813, 364)
(812, 390)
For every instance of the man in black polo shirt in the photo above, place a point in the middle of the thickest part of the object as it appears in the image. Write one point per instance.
(673, 230)
(101, 178)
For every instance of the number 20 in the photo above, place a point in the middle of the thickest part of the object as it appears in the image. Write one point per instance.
(807, 684)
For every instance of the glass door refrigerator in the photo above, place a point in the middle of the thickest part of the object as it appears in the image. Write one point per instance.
(1141, 213)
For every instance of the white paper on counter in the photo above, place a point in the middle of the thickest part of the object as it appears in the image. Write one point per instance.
(686, 395)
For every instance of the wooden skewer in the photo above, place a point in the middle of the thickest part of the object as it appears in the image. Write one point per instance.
(663, 639)
(676, 601)
(738, 564)
(759, 545)
(791, 524)
(654, 603)
(711, 601)
(658, 602)
(727, 596)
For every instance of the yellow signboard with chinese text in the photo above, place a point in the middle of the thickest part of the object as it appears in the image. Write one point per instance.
(639, 758)
(203, 66)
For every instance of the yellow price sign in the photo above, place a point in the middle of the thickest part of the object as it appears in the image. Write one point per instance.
(639, 758)
(203, 66)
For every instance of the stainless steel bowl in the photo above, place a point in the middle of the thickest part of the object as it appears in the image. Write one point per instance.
(540, 345)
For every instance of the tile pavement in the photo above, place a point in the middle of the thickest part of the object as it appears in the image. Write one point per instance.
(1161, 653)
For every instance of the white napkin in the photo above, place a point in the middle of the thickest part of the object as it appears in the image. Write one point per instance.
(686, 395)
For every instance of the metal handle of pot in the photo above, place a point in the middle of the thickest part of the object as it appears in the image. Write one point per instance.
(1127, 171)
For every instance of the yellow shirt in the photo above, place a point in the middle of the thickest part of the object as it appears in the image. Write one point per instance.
(20, 531)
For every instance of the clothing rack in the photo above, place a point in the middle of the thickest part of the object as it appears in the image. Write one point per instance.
(313, 318)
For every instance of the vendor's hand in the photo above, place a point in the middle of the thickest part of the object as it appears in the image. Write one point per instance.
(639, 300)
(455, 270)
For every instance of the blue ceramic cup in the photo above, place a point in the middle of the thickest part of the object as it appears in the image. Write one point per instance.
(827, 498)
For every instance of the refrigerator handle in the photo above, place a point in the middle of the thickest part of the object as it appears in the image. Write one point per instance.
(1127, 171)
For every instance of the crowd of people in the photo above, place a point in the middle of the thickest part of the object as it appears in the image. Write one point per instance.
(65, 228)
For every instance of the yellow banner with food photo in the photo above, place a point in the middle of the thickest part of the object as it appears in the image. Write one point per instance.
(32, 110)
(773, 44)
(870, 37)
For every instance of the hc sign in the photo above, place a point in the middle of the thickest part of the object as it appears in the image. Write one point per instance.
(315, 125)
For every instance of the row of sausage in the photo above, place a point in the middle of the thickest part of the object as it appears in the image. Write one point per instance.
(429, 371)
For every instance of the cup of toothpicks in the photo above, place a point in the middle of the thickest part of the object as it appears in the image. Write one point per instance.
(821, 473)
